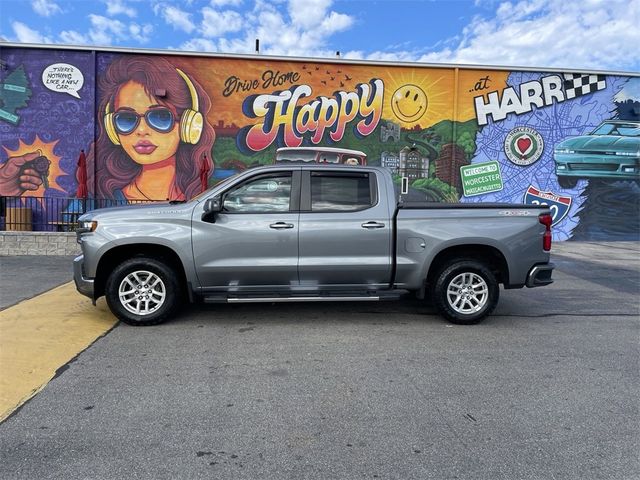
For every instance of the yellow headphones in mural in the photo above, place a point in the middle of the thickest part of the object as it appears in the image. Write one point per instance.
(191, 121)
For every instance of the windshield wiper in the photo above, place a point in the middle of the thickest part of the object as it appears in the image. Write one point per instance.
(175, 202)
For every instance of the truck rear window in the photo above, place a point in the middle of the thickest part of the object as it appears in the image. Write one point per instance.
(344, 193)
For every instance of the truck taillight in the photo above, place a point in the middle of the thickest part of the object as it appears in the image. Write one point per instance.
(546, 219)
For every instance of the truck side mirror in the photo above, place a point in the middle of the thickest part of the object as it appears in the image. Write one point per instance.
(211, 207)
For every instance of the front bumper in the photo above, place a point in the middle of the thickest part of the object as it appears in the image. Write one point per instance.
(597, 166)
(84, 285)
(540, 275)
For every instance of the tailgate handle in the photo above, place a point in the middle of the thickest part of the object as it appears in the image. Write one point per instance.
(371, 225)
(281, 225)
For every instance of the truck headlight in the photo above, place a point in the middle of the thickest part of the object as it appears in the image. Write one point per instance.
(626, 154)
(87, 226)
(564, 150)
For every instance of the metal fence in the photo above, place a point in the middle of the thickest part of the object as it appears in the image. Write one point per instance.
(50, 214)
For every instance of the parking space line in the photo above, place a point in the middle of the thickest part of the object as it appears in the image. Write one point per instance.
(40, 335)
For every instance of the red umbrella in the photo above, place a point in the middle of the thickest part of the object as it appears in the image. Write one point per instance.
(204, 173)
(81, 176)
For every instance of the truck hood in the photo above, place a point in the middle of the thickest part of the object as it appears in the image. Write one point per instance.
(140, 211)
(602, 143)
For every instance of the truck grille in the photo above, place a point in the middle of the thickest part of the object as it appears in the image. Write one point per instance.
(600, 167)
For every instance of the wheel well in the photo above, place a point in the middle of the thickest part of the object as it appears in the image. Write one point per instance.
(490, 256)
(117, 255)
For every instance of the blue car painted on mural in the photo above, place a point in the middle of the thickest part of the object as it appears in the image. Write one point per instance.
(611, 151)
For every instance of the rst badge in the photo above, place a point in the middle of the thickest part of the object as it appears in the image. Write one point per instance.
(558, 205)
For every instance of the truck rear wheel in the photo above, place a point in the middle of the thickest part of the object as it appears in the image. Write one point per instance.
(143, 291)
(465, 292)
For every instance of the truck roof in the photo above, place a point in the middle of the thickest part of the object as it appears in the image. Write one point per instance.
(317, 166)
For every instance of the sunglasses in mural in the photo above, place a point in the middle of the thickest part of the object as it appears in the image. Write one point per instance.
(160, 119)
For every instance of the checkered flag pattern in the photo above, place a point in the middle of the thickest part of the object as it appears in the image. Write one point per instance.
(577, 84)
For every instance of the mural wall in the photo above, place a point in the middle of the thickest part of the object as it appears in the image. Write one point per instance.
(158, 127)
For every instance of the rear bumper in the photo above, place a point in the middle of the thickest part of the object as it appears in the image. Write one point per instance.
(540, 275)
(84, 285)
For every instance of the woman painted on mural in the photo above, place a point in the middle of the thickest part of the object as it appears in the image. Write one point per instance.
(154, 135)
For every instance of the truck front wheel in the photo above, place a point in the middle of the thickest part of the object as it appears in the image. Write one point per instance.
(465, 292)
(142, 291)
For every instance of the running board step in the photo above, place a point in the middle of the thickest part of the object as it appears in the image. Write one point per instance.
(312, 298)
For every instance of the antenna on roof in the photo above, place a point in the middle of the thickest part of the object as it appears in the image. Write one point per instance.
(257, 45)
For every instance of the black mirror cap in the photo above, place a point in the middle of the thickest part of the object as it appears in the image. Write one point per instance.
(213, 205)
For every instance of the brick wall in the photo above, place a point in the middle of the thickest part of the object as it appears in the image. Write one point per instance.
(38, 243)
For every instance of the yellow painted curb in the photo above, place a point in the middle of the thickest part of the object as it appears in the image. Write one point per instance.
(40, 335)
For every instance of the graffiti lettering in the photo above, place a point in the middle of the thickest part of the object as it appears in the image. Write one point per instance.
(538, 93)
(288, 121)
(269, 79)
(234, 84)
(481, 84)
(272, 79)
(63, 77)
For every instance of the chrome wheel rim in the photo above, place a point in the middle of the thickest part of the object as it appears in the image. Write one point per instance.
(142, 292)
(467, 293)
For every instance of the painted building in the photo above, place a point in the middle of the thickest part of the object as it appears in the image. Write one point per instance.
(413, 164)
(162, 124)
(391, 161)
(389, 131)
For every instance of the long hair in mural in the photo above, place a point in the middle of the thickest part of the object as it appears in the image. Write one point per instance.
(153, 132)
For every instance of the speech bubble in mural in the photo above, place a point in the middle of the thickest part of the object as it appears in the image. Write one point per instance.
(63, 78)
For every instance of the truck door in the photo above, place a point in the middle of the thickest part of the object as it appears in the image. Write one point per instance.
(345, 230)
(253, 242)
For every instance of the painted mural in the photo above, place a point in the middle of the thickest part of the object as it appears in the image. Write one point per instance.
(158, 127)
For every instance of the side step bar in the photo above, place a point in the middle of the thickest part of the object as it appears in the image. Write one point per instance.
(300, 298)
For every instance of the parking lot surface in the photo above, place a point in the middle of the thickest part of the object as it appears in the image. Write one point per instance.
(545, 388)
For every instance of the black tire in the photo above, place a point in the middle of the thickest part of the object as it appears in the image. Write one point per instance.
(468, 305)
(567, 182)
(156, 301)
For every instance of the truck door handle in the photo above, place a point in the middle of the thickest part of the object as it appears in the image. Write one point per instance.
(281, 225)
(370, 225)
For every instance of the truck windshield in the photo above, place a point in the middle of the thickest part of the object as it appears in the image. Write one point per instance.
(219, 184)
(621, 129)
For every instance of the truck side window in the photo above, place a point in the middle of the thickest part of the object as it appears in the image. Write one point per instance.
(343, 193)
(271, 193)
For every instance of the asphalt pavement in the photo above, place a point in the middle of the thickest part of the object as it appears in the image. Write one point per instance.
(25, 276)
(545, 388)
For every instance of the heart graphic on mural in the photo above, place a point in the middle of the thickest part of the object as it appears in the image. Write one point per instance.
(523, 143)
(523, 146)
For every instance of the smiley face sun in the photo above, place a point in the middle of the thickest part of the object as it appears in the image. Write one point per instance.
(409, 103)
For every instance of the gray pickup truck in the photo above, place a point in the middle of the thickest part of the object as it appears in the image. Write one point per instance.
(309, 233)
